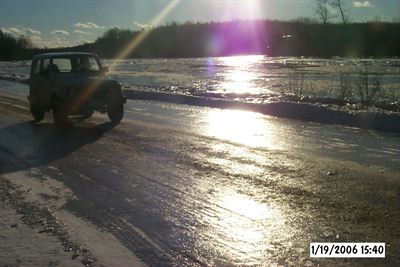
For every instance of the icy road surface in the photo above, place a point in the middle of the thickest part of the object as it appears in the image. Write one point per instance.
(187, 186)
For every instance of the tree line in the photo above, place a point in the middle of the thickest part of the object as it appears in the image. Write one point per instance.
(300, 37)
(12, 48)
(273, 38)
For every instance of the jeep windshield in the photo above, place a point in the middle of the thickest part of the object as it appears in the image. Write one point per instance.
(75, 64)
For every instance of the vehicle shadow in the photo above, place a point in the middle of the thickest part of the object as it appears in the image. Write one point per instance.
(26, 145)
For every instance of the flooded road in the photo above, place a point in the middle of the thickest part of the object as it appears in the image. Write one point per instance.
(188, 186)
(256, 130)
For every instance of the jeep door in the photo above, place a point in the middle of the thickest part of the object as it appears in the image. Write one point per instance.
(35, 75)
(41, 82)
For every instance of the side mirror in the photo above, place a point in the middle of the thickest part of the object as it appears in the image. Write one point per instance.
(104, 70)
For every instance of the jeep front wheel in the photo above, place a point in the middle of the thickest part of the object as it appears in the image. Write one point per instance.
(115, 111)
(37, 112)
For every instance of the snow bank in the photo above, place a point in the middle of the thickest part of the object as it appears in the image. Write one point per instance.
(384, 121)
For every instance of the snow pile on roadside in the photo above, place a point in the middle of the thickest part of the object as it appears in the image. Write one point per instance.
(377, 120)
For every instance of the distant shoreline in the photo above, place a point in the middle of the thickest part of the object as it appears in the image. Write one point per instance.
(234, 55)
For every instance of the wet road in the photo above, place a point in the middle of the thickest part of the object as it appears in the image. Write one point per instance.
(181, 185)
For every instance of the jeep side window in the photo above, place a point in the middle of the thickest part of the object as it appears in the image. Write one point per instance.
(44, 67)
(88, 64)
(61, 65)
(94, 65)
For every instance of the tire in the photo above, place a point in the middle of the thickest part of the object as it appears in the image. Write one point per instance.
(60, 115)
(115, 111)
(37, 112)
(36, 109)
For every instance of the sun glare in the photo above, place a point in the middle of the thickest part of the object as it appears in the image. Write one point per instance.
(145, 32)
(245, 127)
(249, 9)
(128, 49)
(239, 78)
(245, 226)
(245, 206)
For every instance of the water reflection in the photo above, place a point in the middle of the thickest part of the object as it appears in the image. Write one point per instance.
(240, 77)
(244, 228)
(244, 127)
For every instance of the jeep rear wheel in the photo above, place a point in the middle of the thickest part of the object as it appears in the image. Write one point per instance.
(115, 111)
(60, 115)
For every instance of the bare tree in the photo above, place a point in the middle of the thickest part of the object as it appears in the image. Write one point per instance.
(323, 11)
(368, 90)
(342, 9)
(345, 86)
(296, 82)
(377, 19)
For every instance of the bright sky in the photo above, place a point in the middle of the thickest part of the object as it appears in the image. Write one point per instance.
(70, 22)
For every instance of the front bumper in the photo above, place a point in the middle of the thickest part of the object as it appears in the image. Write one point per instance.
(100, 104)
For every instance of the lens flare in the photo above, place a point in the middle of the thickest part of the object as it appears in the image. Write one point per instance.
(145, 32)
(135, 42)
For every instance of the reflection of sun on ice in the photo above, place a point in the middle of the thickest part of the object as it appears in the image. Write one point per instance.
(243, 205)
(239, 82)
(241, 61)
(240, 79)
(246, 226)
(243, 127)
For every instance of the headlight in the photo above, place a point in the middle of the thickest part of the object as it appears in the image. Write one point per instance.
(116, 89)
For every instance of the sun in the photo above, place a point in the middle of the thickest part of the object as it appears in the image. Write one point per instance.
(240, 9)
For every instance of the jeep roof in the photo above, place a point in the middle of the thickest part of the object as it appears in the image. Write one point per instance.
(60, 54)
